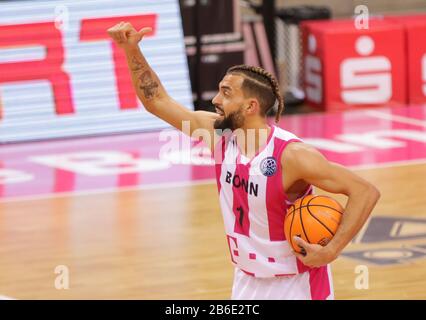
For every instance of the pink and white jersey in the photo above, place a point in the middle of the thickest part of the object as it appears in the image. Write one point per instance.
(254, 205)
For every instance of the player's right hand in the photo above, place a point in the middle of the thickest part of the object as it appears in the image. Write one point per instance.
(126, 36)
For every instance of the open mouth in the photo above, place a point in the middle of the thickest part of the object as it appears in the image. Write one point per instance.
(219, 111)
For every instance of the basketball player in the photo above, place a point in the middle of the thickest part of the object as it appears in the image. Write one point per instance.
(257, 184)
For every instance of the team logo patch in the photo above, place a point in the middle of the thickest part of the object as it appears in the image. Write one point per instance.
(268, 166)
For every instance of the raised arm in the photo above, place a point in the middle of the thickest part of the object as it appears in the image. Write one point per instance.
(149, 89)
(303, 162)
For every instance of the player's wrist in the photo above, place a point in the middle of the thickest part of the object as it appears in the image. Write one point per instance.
(332, 251)
(131, 48)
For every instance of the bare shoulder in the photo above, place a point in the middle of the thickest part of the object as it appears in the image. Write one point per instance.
(204, 127)
(302, 161)
(207, 116)
(300, 152)
(205, 121)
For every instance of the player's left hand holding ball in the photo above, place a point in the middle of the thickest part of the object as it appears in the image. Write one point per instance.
(315, 255)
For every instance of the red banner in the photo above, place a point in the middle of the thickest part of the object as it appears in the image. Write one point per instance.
(346, 67)
(415, 33)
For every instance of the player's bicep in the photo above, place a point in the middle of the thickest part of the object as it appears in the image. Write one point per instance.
(332, 177)
(311, 166)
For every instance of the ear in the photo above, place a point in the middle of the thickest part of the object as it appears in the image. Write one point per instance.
(253, 107)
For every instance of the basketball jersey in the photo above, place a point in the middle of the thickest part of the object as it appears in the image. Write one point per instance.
(254, 205)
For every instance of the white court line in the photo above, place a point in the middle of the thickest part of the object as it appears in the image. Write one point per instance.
(110, 190)
(400, 163)
(184, 183)
(395, 118)
(82, 141)
(6, 298)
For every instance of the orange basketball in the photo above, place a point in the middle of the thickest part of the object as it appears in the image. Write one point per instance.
(313, 218)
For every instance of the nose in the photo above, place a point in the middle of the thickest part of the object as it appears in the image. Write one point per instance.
(215, 100)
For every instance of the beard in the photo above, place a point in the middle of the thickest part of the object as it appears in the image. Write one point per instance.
(231, 122)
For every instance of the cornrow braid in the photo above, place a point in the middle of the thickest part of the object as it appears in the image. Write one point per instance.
(259, 79)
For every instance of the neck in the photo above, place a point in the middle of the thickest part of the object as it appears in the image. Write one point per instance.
(252, 137)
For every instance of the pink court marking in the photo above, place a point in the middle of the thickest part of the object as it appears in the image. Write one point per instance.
(359, 139)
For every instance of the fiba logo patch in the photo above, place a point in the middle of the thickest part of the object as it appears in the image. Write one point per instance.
(268, 166)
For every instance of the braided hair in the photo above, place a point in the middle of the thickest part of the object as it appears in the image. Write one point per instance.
(263, 85)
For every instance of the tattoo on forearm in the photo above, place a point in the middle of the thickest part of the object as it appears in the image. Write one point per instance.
(146, 81)
(148, 85)
(136, 65)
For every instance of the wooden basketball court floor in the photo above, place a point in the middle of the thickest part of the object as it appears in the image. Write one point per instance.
(132, 238)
